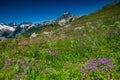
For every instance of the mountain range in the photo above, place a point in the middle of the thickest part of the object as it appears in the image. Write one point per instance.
(12, 29)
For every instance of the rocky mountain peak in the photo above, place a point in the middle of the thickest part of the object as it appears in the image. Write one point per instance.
(12, 24)
(66, 15)
(25, 24)
(5, 30)
(65, 18)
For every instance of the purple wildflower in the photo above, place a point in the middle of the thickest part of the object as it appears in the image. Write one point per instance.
(95, 59)
(83, 69)
(111, 66)
(23, 67)
(16, 77)
(93, 68)
(104, 60)
(100, 69)
(99, 64)
(19, 61)
(105, 68)
(96, 78)
(89, 63)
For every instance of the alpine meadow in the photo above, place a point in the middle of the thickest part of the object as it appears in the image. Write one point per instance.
(69, 48)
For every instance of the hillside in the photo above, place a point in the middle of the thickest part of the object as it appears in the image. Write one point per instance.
(88, 48)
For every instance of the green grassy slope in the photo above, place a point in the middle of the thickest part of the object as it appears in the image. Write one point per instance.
(108, 12)
(88, 48)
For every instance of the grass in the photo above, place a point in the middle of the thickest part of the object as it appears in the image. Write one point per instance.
(62, 54)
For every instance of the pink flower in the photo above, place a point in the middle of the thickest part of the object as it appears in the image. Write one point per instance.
(25, 42)
(109, 76)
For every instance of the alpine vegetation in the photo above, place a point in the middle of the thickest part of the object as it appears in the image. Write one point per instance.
(68, 48)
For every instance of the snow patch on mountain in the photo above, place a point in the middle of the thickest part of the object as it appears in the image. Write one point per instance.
(30, 26)
(6, 27)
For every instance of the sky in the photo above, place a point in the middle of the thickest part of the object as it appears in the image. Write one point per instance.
(37, 11)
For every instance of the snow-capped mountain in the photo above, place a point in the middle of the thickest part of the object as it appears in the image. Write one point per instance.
(21, 28)
(13, 29)
(65, 18)
(25, 24)
(6, 27)
(12, 24)
(5, 30)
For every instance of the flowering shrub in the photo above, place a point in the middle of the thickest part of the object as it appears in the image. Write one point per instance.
(98, 65)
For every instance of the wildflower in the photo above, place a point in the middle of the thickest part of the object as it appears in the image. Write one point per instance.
(96, 78)
(53, 52)
(100, 64)
(83, 69)
(56, 37)
(84, 75)
(104, 60)
(89, 63)
(93, 68)
(105, 68)
(25, 42)
(111, 66)
(8, 62)
(19, 61)
(23, 75)
(100, 69)
(109, 76)
(23, 67)
(95, 59)
(16, 77)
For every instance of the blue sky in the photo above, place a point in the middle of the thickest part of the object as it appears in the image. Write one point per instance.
(37, 11)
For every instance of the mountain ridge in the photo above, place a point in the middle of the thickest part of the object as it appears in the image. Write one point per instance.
(24, 27)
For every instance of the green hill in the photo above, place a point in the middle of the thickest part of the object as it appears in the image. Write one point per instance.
(86, 49)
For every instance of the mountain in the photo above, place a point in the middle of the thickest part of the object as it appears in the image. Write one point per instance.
(6, 27)
(12, 29)
(5, 30)
(21, 28)
(12, 24)
(65, 18)
(28, 27)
